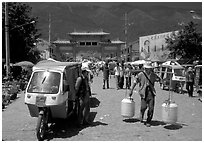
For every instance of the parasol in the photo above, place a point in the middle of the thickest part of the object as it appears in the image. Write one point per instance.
(24, 64)
(139, 62)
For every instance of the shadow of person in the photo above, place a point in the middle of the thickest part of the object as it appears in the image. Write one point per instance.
(92, 116)
(111, 88)
(157, 123)
(93, 94)
(131, 120)
(94, 102)
(97, 123)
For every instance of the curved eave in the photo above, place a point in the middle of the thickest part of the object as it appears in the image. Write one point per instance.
(88, 33)
(117, 42)
(61, 42)
(112, 43)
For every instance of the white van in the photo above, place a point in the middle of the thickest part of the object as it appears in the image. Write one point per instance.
(172, 76)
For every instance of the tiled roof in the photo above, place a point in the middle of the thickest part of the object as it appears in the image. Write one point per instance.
(117, 42)
(89, 33)
(61, 42)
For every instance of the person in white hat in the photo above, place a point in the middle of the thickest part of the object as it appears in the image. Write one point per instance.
(83, 93)
(147, 92)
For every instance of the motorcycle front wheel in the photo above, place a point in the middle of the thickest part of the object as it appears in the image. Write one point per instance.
(41, 127)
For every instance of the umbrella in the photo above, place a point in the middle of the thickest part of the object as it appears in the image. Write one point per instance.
(24, 64)
(171, 63)
(139, 62)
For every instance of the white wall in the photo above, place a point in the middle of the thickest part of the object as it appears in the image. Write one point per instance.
(150, 47)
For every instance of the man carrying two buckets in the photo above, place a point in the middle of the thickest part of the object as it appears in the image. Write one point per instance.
(147, 92)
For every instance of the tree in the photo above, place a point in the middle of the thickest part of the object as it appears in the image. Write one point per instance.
(22, 33)
(187, 43)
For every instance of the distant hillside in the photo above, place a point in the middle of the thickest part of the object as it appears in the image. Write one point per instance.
(146, 18)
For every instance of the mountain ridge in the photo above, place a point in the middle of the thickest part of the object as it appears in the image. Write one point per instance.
(146, 18)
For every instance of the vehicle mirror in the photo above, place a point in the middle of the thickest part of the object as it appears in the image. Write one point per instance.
(65, 87)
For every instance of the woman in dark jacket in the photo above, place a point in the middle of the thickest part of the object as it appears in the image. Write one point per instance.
(106, 73)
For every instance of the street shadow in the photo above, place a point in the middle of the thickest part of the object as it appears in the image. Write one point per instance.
(68, 127)
(93, 93)
(157, 123)
(173, 127)
(131, 120)
(195, 97)
(111, 88)
(94, 102)
(185, 91)
(108, 88)
(92, 116)
(169, 126)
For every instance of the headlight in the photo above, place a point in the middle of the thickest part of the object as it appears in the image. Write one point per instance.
(53, 98)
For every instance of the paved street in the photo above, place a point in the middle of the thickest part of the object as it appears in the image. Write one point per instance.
(108, 124)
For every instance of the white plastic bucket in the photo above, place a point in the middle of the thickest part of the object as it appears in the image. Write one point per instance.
(127, 107)
(169, 112)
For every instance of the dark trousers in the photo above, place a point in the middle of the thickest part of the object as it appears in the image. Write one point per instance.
(189, 88)
(84, 109)
(121, 82)
(117, 81)
(106, 81)
(128, 82)
(148, 101)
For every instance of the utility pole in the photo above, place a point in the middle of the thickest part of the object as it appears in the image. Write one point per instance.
(126, 30)
(50, 50)
(7, 41)
(49, 27)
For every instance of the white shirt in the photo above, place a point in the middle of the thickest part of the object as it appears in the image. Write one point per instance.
(117, 70)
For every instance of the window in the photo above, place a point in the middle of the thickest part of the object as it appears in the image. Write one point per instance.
(88, 43)
(82, 43)
(45, 82)
(178, 72)
(162, 47)
(94, 43)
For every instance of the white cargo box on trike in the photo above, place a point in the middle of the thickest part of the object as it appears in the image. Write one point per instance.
(50, 92)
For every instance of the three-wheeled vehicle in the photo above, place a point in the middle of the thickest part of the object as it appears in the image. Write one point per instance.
(50, 93)
(172, 77)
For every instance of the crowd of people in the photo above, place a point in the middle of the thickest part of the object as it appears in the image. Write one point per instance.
(126, 77)
(122, 74)
(145, 77)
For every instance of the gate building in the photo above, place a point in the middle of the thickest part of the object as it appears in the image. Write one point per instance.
(87, 45)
